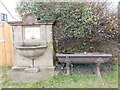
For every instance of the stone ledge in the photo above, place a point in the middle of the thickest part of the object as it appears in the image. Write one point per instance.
(32, 70)
(47, 68)
(35, 69)
(18, 68)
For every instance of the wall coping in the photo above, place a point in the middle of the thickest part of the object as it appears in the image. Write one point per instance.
(38, 22)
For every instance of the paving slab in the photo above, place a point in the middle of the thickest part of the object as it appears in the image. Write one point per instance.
(22, 76)
(32, 70)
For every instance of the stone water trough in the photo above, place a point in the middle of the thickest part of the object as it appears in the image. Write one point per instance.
(83, 58)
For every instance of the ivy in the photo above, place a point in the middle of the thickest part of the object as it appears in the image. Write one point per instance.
(72, 17)
(84, 26)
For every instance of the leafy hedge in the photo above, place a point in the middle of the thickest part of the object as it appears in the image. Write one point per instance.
(79, 27)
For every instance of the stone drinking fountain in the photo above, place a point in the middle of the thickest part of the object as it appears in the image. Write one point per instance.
(33, 47)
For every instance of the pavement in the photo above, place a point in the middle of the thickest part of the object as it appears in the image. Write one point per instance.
(22, 76)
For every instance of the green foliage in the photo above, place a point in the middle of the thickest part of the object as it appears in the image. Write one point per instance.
(109, 80)
(79, 27)
(71, 17)
(73, 20)
(103, 28)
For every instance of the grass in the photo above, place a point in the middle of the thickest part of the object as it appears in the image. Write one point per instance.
(108, 80)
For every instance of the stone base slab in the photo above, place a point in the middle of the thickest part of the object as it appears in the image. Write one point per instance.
(18, 68)
(32, 70)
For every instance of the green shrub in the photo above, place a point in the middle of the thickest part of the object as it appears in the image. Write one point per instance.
(79, 27)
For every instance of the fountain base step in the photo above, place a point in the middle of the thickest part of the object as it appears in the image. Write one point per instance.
(18, 68)
(32, 70)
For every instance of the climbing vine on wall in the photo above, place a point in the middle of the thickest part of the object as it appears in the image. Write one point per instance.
(71, 18)
(78, 27)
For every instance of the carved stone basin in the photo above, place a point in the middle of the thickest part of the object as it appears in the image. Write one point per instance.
(79, 58)
(83, 57)
(33, 51)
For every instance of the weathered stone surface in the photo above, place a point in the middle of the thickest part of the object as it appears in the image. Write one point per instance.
(18, 68)
(32, 70)
(42, 66)
(46, 59)
(22, 76)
